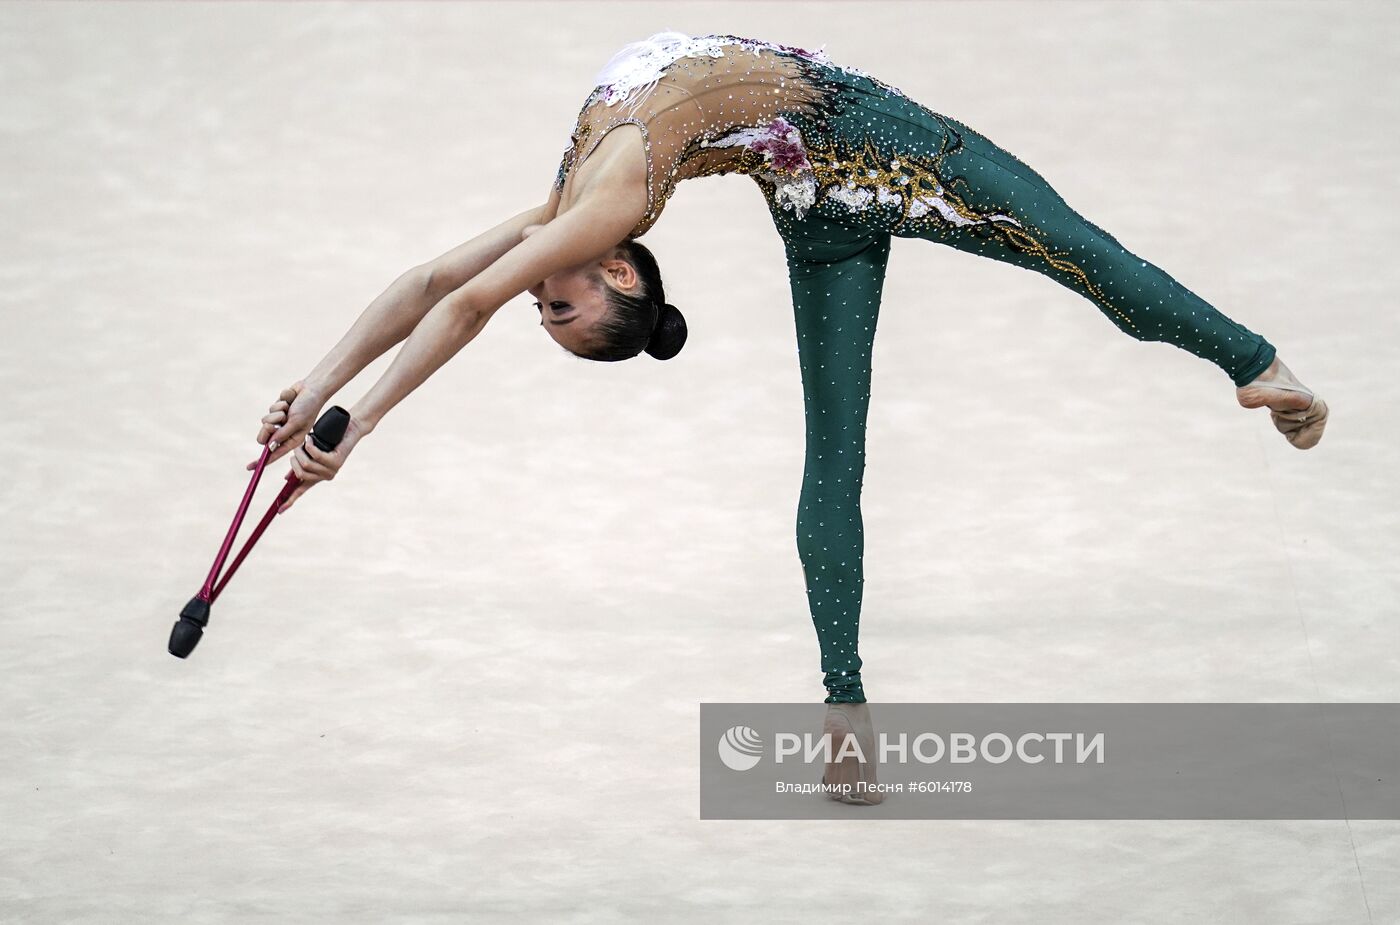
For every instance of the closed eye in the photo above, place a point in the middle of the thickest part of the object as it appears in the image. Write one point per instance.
(556, 307)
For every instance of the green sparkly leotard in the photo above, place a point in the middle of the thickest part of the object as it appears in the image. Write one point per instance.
(846, 162)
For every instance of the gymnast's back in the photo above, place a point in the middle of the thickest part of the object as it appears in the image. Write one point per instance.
(715, 104)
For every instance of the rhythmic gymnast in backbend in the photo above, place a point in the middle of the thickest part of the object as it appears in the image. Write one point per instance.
(844, 162)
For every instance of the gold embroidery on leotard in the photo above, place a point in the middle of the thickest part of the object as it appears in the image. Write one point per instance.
(864, 178)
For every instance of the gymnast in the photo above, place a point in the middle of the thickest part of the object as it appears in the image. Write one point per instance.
(844, 162)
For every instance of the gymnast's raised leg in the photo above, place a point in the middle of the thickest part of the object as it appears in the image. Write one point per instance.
(999, 207)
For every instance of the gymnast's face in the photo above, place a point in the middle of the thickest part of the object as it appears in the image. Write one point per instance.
(571, 302)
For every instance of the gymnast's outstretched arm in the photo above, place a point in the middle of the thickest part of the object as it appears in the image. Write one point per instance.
(586, 232)
(387, 321)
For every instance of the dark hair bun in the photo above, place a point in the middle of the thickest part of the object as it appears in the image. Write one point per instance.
(668, 337)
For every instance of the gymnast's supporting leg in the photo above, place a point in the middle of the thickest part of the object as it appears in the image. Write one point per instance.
(837, 276)
(836, 302)
(1020, 219)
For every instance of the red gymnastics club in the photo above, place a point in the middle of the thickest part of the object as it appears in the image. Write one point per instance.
(327, 434)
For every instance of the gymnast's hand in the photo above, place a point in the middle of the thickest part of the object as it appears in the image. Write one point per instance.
(311, 464)
(289, 419)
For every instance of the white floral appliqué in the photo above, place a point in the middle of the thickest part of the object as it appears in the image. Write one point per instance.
(785, 161)
(633, 72)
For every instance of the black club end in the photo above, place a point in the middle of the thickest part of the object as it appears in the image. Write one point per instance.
(189, 629)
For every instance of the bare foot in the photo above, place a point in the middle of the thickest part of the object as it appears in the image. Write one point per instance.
(1297, 413)
(853, 778)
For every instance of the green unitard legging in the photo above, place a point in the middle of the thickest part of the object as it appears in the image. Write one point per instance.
(837, 254)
